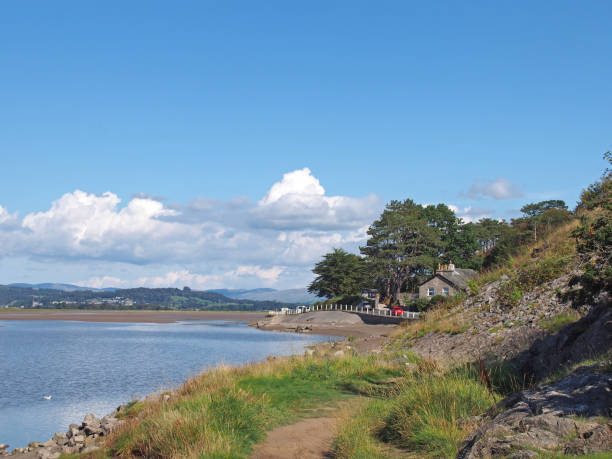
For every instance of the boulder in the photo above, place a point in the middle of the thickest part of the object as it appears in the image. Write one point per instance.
(549, 418)
(91, 421)
(60, 438)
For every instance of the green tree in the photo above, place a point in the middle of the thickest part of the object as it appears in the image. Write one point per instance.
(402, 246)
(339, 273)
(538, 208)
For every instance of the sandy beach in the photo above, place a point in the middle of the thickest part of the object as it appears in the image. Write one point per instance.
(128, 316)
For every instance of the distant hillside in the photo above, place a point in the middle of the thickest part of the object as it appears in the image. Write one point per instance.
(294, 295)
(237, 293)
(62, 287)
(134, 298)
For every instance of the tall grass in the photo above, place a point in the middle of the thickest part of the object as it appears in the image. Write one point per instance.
(431, 414)
(224, 411)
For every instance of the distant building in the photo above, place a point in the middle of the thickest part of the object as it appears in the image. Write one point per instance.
(370, 297)
(447, 281)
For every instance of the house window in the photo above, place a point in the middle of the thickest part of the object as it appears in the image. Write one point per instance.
(445, 291)
(430, 291)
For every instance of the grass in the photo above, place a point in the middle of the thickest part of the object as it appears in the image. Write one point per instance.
(356, 436)
(560, 321)
(428, 415)
(224, 411)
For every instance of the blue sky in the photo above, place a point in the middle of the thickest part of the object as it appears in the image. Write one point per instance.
(191, 112)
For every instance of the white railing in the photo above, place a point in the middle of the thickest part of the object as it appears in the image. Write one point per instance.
(349, 308)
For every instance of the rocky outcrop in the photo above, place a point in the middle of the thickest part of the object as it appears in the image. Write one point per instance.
(588, 337)
(563, 417)
(78, 439)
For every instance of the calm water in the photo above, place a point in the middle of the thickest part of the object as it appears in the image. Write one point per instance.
(94, 367)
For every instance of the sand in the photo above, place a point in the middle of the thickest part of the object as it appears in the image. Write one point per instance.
(127, 316)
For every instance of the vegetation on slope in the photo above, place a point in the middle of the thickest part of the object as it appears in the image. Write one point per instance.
(128, 299)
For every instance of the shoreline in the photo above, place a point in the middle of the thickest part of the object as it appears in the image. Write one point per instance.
(366, 339)
(140, 316)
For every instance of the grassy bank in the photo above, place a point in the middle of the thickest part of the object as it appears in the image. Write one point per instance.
(225, 411)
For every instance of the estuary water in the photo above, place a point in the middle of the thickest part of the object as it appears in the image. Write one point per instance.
(89, 367)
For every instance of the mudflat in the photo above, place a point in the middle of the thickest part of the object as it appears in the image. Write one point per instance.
(127, 316)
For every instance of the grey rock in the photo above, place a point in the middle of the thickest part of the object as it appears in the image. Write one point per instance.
(78, 439)
(60, 438)
(91, 421)
(541, 419)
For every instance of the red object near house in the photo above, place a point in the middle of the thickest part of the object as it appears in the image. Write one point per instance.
(397, 311)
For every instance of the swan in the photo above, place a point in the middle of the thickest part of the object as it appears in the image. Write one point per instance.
(47, 397)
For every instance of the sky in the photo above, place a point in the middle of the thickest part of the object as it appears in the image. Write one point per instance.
(232, 143)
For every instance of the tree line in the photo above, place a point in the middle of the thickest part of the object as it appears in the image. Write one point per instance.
(408, 241)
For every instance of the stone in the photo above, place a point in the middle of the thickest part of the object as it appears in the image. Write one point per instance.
(49, 444)
(49, 453)
(78, 439)
(60, 438)
(541, 419)
(73, 430)
(91, 421)
(339, 353)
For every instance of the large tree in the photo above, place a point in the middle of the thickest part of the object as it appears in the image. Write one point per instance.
(402, 245)
(339, 273)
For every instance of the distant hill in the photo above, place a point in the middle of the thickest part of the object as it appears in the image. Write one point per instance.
(293, 295)
(133, 298)
(62, 287)
(237, 293)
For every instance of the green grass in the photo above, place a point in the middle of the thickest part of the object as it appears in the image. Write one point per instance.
(357, 434)
(427, 413)
(225, 411)
(558, 322)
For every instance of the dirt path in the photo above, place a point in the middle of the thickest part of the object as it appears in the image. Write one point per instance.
(310, 438)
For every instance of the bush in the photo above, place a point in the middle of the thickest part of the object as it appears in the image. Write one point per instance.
(528, 277)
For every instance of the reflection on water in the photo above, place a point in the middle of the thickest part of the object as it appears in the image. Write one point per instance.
(94, 367)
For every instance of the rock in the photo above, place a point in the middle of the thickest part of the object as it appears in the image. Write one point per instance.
(339, 353)
(49, 444)
(90, 449)
(73, 430)
(596, 440)
(60, 438)
(49, 453)
(34, 444)
(108, 423)
(91, 421)
(309, 352)
(78, 439)
(166, 397)
(541, 420)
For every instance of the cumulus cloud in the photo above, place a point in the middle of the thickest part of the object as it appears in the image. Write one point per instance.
(500, 188)
(216, 241)
(299, 201)
(471, 214)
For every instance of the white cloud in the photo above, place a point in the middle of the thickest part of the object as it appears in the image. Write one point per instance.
(471, 214)
(500, 188)
(298, 201)
(207, 243)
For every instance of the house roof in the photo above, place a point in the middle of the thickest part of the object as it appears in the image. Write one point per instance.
(459, 277)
